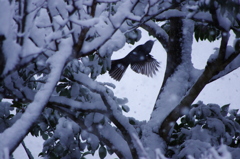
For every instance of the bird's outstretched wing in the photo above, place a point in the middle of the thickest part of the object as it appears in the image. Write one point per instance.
(118, 68)
(148, 67)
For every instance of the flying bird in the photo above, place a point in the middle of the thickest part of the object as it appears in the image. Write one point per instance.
(140, 60)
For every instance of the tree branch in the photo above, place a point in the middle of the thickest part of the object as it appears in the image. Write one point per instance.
(68, 103)
(174, 52)
(116, 117)
(213, 67)
(103, 136)
(21, 127)
(157, 32)
(232, 63)
(28, 152)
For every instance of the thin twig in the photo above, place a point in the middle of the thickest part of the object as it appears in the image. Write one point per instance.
(28, 152)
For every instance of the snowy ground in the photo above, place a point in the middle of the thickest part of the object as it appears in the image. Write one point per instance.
(142, 91)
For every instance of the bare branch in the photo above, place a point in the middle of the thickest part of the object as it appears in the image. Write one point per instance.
(223, 47)
(28, 152)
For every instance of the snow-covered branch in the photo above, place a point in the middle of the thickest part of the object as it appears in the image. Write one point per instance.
(20, 129)
(85, 23)
(225, 57)
(171, 95)
(96, 106)
(231, 64)
(16, 85)
(107, 1)
(214, 66)
(68, 107)
(111, 24)
(114, 114)
(105, 132)
(117, 22)
(220, 19)
(174, 13)
(157, 32)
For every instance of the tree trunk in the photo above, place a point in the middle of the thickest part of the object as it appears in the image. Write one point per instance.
(177, 81)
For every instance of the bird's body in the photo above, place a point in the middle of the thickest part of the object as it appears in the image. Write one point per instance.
(140, 60)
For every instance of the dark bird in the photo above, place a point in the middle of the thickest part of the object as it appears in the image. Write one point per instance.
(140, 60)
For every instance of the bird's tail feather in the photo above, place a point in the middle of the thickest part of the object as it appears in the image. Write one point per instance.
(148, 67)
(118, 68)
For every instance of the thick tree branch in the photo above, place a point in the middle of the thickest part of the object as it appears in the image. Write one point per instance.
(174, 52)
(20, 128)
(213, 67)
(232, 63)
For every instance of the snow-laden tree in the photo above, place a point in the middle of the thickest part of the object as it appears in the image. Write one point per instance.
(51, 52)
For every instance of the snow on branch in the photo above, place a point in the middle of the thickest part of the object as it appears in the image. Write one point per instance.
(85, 23)
(157, 32)
(16, 85)
(94, 106)
(202, 17)
(115, 115)
(21, 127)
(120, 146)
(216, 64)
(140, 146)
(124, 13)
(170, 14)
(112, 23)
(10, 48)
(221, 19)
(231, 63)
(107, 1)
(174, 13)
(226, 57)
(105, 132)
